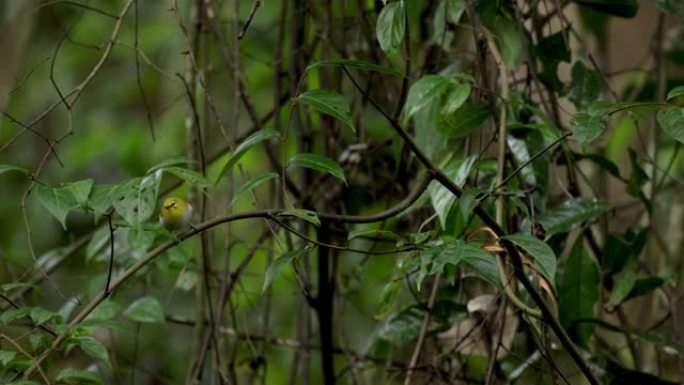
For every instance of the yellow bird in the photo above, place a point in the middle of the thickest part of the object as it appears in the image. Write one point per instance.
(175, 214)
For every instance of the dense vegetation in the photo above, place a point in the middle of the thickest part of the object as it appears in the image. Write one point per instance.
(396, 191)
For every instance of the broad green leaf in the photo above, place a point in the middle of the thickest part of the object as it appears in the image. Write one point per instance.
(242, 148)
(107, 310)
(356, 64)
(587, 126)
(671, 120)
(434, 258)
(93, 348)
(58, 201)
(186, 280)
(621, 8)
(375, 233)
(10, 315)
(424, 91)
(184, 160)
(510, 41)
(330, 103)
(585, 86)
(100, 199)
(193, 178)
(135, 200)
(80, 190)
(578, 292)
(454, 10)
(388, 297)
(571, 214)
(277, 265)
(307, 215)
(389, 28)
(543, 256)
(7, 356)
(146, 309)
(457, 95)
(405, 326)
(551, 50)
(79, 377)
(623, 286)
(252, 184)
(464, 120)
(442, 199)
(40, 315)
(8, 167)
(621, 250)
(318, 162)
(675, 92)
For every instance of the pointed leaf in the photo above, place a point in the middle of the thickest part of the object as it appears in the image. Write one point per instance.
(136, 199)
(307, 215)
(357, 64)
(255, 138)
(543, 256)
(389, 28)
(329, 103)
(464, 120)
(375, 233)
(8, 167)
(193, 178)
(318, 162)
(58, 201)
(671, 120)
(252, 184)
(458, 94)
(146, 309)
(277, 265)
(100, 200)
(171, 162)
(571, 214)
(423, 91)
(675, 92)
(93, 348)
(79, 377)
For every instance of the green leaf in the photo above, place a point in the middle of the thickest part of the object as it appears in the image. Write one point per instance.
(510, 41)
(318, 162)
(249, 142)
(464, 121)
(100, 200)
(8, 168)
(93, 348)
(442, 199)
(145, 309)
(578, 292)
(107, 310)
(80, 190)
(621, 8)
(389, 28)
(422, 92)
(193, 178)
(10, 315)
(135, 200)
(357, 64)
(457, 95)
(79, 377)
(551, 50)
(252, 184)
(585, 86)
(434, 258)
(330, 103)
(40, 315)
(543, 256)
(7, 356)
(675, 92)
(307, 215)
(571, 214)
(405, 326)
(58, 201)
(588, 126)
(171, 162)
(671, 120)
(375, 233)
(623, 286)
(277, 265)
(388, 297)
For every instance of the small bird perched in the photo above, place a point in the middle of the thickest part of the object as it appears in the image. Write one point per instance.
(175, 214)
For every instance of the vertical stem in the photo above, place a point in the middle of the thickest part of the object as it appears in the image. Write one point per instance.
(324, 306)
